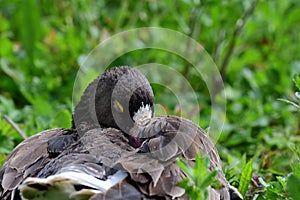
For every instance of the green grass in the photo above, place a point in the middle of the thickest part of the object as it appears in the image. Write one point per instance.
(254, 45)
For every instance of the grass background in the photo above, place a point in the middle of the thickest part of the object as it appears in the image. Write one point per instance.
(254, 43)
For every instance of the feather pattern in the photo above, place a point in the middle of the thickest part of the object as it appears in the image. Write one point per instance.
(82, 168)
(166, 139)
(26, 160)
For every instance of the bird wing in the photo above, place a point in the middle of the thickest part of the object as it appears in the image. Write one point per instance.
(97, 147)
(168, 137)
(154, 166)
(85, 168)
(26, 160)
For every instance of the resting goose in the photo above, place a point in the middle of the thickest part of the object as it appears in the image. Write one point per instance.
(103, 165)
(33, 154)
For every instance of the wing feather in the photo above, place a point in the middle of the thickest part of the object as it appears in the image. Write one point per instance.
(165, 140)
(26, 160)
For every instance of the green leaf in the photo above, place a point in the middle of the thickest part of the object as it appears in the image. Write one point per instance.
(209, 179)
(275, 188)
(30, 26)
(296, 80)
(200, 169)
(185, 167)
(245, 178)
(282, 181)
(199, 178)
(62, 119)
(41, 106)
(296, 149)
(2, 159)
(184, 183)
(293, 185)
(296, 167)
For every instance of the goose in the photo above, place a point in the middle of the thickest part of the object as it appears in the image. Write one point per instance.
(105, 163)
(34, 153)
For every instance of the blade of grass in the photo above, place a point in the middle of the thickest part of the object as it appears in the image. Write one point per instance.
(185, 167)
(289, 102)
(245, 178)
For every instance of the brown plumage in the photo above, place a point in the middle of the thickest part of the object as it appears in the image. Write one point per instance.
(152, 167)
(96, 154)
(134, 159)
(93, 111)
(26, 160)
(166, 139)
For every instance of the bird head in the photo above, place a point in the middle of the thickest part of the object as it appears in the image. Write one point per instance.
(118, 98)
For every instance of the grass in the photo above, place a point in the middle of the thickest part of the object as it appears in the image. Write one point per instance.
(255, 44)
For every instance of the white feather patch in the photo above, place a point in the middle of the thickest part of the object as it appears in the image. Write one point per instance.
(143, 113)
(61, 185)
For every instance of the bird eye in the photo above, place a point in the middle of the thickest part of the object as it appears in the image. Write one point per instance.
(118, 106)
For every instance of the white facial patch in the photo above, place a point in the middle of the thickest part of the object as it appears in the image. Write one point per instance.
(143, 113)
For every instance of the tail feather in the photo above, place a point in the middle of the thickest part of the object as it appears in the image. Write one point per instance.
(68, 185)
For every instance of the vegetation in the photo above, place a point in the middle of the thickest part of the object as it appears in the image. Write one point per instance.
(255, 45)
(198, 178)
